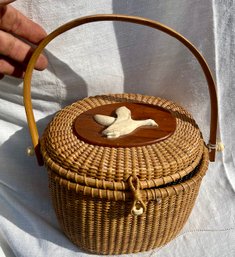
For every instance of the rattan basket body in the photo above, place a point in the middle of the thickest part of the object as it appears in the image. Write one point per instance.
(91, 189)
(105, 225)
(123, 196)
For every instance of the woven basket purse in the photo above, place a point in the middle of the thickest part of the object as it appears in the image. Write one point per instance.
(124, 169)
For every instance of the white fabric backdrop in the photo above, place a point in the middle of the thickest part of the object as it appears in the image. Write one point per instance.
(114, 57)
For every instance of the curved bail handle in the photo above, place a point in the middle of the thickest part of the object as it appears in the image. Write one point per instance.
(123, 18)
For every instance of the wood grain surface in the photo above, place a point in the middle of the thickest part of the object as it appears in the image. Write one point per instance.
(87, 129)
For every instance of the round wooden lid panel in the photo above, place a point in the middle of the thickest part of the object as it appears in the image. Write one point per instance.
(90, 131)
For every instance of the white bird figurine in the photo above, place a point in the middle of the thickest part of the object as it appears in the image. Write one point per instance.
(123, 124)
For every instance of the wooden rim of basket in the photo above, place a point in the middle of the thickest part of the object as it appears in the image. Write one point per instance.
(124, 18)
(118, 185)
(146, 194)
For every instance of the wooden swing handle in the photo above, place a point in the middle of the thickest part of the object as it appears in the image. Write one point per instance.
(124, 18)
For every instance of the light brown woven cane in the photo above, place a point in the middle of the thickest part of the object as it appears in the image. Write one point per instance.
(99, 220)
(98, 192)
(110, 167)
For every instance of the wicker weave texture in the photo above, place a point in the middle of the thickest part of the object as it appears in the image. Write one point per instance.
(105, 226)
(74, 159)
(93, 187)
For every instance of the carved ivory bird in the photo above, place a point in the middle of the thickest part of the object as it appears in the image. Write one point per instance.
(123, 124)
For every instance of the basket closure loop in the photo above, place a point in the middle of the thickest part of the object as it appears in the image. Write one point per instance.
(138, 206)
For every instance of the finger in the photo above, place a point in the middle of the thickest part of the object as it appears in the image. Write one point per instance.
(19, 51)
(15, 22)
(5, 2)
(9, 67)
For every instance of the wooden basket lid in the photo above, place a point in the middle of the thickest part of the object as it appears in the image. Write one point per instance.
(155, 155)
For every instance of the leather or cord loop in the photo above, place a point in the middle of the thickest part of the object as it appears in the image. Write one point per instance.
(138, 207)
(123, 18)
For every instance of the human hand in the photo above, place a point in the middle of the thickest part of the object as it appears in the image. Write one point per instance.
(17, 35)
(4, 2)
